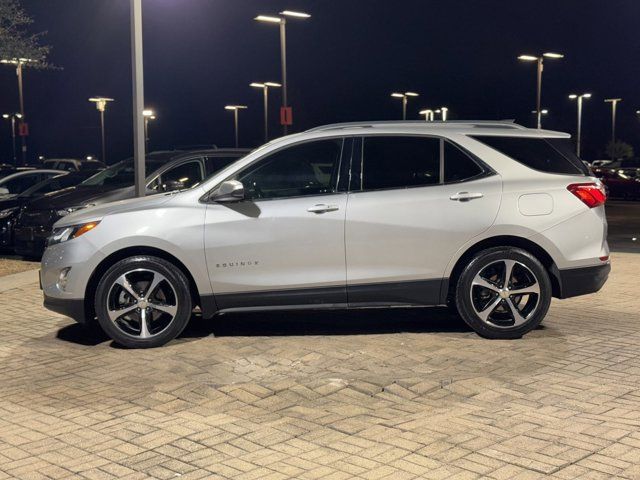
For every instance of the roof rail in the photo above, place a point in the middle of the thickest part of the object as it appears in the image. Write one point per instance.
(413, 123)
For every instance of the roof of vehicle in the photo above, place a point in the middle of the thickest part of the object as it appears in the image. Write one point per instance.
(25, 172)
(467, 127)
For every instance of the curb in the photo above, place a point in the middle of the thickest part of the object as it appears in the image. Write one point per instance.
(17, 280)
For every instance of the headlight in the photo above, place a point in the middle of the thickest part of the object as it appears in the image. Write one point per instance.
(63, 234)
(5, 213)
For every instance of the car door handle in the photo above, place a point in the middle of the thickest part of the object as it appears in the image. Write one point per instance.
(322, 208)
(466, 196)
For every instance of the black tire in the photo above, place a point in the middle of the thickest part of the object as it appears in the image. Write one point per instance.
(173, 288)
(470, 299)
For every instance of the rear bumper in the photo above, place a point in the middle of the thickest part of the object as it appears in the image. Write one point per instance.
(69, 307)
(582, 281)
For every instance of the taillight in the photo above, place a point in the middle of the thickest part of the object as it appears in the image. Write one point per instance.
(591, 194)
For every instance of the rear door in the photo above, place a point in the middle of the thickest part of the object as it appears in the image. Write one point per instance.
(415, 201)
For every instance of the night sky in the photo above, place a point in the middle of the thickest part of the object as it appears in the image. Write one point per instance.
(343, 64)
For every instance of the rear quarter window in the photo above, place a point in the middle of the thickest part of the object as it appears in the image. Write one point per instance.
(550, 155)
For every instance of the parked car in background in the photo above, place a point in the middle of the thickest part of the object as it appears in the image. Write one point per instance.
(10, 206)
(19, 181)
(490, 218)
(599, 163)
(629, 167)
(620, 185)
(73, 164)
(7, 169)
(166, 172)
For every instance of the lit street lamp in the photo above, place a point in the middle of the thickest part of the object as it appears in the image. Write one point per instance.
(428, 114)
(236, 109)
(579, 98)
(101, 105)
(614, 105)
(265, 93)
(19, 62)
(540, 61)
(404, 96)
(12, 117)
(282, 20)
(148, 115)
(443, 113)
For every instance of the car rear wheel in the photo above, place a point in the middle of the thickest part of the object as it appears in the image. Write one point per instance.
(503, 293)
(143, 302)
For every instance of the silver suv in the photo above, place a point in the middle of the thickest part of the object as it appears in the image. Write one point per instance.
(489, 218)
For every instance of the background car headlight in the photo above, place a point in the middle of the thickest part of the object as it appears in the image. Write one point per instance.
(68, 210)
(63, 234)
(6, 212)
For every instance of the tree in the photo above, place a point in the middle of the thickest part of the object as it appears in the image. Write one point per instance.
(619, 149)
(15, 39)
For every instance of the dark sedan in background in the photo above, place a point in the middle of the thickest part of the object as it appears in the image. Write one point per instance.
(10, 205)
(166, 171)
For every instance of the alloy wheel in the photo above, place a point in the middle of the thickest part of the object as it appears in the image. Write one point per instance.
(142, 303)
(505, 293)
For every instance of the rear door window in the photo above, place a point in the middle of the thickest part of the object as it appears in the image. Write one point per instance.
(400, 162)
(542, 154)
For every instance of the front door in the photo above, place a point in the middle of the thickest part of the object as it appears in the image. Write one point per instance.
(284, 244)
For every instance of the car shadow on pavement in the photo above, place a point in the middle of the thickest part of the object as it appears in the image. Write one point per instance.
(327, 322)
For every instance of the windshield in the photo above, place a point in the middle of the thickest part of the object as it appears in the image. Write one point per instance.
(120, 175)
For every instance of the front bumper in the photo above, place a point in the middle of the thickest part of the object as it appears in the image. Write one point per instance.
(69, 307)
(582, 281)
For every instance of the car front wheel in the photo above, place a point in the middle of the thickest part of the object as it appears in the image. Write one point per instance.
(143, 302)
(503, 293)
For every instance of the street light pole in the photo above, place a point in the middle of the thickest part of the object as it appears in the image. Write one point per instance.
(148, 115)
(12, 117)
(444, 112)
(428, 114)
(282, 21)
(101, 105)
(540, 67)
(137, 76)
(235, 109)
(19, 62)
(579, 98)
(404, 96)
(265, 95)
(614, 105)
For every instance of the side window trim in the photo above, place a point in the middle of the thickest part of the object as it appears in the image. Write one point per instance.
(256, 162)
(357, 186)
(187, 160)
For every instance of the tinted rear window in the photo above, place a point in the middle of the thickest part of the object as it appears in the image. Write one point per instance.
(550, 155)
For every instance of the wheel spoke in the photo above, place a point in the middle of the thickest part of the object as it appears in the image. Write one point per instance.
(531, 289)
(124, 283)
(508, 272)
(170, 309)
(515, 313)
(144, 328)
(155, 281)
(487, 311)
(118, 312)
(481, 282)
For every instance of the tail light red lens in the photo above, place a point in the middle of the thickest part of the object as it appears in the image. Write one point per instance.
(591, 194)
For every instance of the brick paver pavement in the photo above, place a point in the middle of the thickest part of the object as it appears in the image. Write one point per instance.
(398, 394)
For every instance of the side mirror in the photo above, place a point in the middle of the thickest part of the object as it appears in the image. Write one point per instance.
(172, 185)
(229, 191)
(4, 191)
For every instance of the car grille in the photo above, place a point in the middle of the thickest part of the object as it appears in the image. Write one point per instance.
(38, 218)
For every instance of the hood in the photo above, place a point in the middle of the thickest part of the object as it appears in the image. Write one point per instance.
(79, 196)
(98, 212)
